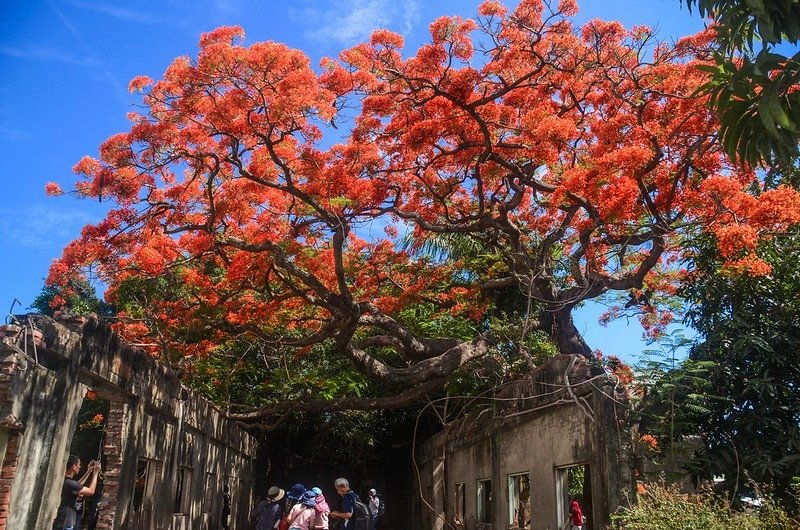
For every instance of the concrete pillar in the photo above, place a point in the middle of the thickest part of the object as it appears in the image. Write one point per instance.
(113, 450)
(9, 426)
(7, 473)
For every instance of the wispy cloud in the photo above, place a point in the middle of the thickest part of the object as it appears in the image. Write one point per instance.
(34, 53)
(12, 133)
(121, 13)
(226, 8)
(10, 128)
(354, 20)
(99, 66)
(40, 227)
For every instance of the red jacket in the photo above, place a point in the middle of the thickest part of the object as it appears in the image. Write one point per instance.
(576, 516)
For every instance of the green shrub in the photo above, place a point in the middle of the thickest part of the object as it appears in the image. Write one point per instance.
(665, 508)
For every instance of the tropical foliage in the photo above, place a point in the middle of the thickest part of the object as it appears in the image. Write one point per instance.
(751, 333)
(674, 396)
(753, 87)
(78, 297)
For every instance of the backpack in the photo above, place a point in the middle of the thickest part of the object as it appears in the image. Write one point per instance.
(255, 515)
(259, 510)
(360, 513)
(283, 524)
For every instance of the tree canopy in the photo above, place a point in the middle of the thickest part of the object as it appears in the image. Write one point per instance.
(730, 409)
(261, 201)
(751, 335)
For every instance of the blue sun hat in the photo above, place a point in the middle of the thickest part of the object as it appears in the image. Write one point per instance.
(316, 490)
(296, 492)
(309, 499)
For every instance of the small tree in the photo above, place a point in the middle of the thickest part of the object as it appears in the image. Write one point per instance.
(676, 395)
(78, 296)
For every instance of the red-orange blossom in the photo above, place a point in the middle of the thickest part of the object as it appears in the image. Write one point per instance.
(580, 156)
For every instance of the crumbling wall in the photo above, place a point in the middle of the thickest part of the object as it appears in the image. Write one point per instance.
(567, 413)
(179, 439)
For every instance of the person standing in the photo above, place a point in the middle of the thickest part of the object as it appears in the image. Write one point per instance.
(81, 503)
(323, 510)
(304, 514)
(374, 505)
(575, 515)
(348, 503)
(226, 506)
(67, 516)
(269, 511)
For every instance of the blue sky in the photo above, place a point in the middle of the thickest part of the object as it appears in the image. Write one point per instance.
(65, 69)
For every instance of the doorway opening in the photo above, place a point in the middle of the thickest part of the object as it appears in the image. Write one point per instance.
(573, 483)
(87, 444)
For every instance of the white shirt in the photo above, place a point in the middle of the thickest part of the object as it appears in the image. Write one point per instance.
(374, 503)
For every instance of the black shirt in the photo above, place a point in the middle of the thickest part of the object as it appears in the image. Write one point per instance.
(67, 516)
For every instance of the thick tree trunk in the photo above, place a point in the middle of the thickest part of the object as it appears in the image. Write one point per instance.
(564, 333)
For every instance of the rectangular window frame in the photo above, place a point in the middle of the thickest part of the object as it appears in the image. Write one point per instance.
(148, 475)
(182, 494)
(209, 493)
(460, 504)
(483, 507)
(517, 482)
(562, 489)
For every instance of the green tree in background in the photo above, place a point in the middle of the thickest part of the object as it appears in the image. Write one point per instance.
(750, 329)
(677, 396)
(80, 298)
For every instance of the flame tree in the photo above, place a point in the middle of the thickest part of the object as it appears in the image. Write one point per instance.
(253, 189)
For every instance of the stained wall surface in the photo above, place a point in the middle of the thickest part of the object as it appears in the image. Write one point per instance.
(174, 444)
(567, 414)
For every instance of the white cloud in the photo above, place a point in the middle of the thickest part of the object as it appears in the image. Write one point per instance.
(354, 20)
(10, 128)
(34, 53)
(97, 64)
(121, 13)
(40, 227)
(13, 133)
(227, 8)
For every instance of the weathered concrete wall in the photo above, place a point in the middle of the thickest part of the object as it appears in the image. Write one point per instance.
(153, 421)
(565, 415)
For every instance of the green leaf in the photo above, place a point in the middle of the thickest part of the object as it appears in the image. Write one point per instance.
(765, 115)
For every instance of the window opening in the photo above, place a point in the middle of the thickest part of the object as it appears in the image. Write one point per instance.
(485, 503)
(147, 472)
(573, 482)
(461, 497)
(208, 498)
(182, 489)
(519, 501)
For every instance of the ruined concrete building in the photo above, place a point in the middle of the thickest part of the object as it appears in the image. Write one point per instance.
(562, 434)
(167, 453)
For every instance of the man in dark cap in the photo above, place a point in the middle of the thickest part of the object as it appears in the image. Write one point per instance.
(268, 511)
